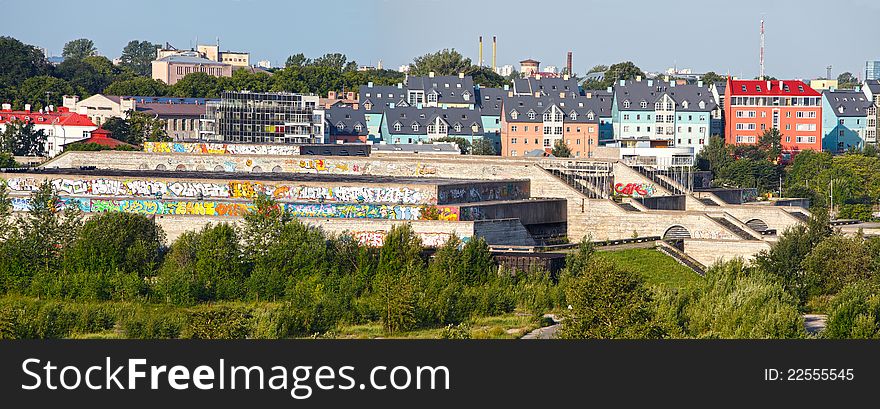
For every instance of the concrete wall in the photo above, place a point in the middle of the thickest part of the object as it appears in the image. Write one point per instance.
(672, 202)
(534, 211)
(452, 193)
(708, 252)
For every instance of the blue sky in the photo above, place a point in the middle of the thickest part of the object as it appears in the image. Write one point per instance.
(702, 35)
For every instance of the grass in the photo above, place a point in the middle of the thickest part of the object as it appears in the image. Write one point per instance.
(657, 268)
(507, 326)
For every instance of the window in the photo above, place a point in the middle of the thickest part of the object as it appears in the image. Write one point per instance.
(415, 127)
(340, 126)
(513, 153)
(557, 117)
(532, 115)
(558, 130)
(643, 104)
(514, 114)
(475, 128)
(397, 127)
(458, 128)
(573, 116)
(626, 104)
(805, 139)
(358, 127)
(546, 142)
(590, 129)
(548, 130)
(670, 118)
(626, 129)
(432, 128)
(807, 127)
(432, 97)
(548, 116)
(590, 116)
(466, 95)
(513, 141)
(626, 117)
(638, 117)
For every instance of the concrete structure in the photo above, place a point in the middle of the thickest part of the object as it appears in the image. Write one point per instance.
(792, 107)
(173, 68)
(61, 127)
(213, 53)
(263, 117)
(845, 120)
(535, 123)
(654, 114)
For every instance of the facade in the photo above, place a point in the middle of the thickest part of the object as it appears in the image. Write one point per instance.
(844, 120)
(791, 106)
(872, 70)
(233, 58)
(61, 127)
(344, 124)
(605, 99)
(504, 70)
(374, 100)
(490, 102)
(528, 67)
(173, 68)
(717, 127)
(530, 125)
(657, 114)
(408, 124)
(181, 115)
(263, 117)
(821, 85)
(871, 89)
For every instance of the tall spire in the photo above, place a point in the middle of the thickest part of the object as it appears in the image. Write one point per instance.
(761, 76)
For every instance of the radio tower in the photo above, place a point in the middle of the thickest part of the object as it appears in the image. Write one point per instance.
(762, 50)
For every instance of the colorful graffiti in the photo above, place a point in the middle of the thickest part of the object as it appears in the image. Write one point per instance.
(220, 148)
(230, 190)
(323, 165)
(375, 238)
(354, 211)
(635, 189)
(482, 192)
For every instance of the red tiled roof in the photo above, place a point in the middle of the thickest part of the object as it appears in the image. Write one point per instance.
(61, 117)
(102, 137)
(777, 88)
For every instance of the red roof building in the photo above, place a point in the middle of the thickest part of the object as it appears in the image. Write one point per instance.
(61, 127)
(102, 137)
(791, 106)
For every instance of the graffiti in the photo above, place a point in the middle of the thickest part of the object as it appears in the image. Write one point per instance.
(20, 204)
(220, 148)
(749, 195)
(472, 213)
(354, 211)
(710, 234)
(376, 238)
(635, 189)
(422, 170)
(482, 193)
(231, 190)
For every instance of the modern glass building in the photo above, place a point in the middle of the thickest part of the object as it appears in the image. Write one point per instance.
(872, 70)
(263, 117)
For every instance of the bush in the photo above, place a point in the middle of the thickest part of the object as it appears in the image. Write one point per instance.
(854, 312)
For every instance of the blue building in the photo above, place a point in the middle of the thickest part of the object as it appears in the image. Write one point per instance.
(844, 120)
(490, 102)
(604, 99)
(406, 125)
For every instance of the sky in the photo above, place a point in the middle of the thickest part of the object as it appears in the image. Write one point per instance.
(802, 37)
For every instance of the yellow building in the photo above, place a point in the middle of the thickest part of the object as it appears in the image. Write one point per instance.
(823, 84)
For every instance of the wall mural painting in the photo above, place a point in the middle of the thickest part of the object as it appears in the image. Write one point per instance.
(635, 189)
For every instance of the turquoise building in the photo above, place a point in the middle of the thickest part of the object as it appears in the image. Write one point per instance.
(844, 120)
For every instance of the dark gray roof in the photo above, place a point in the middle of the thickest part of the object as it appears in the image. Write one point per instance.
(378, 97)
(490, 100)
(605, 100)
(546, 86)
(721, 86)
(847, 103)
(349, 119)
(873, 85)
(443, 148)
(637, 91)
(407, 116)
(449, 88)
(580, 105)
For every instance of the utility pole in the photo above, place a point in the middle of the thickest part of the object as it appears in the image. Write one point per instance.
(761, 77)
(831, 208)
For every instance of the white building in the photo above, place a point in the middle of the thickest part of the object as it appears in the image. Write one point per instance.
(504, 70)
(61, 127)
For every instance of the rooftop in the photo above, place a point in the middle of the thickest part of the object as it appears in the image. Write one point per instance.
(772, 88)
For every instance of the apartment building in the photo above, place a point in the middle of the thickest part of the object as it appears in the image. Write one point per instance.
(532, 125)
(871, 89)
(180, 115)
(414, 124)
(263, 117)
(173, 68)
(844, 120)
(790, 106)
(61, 127)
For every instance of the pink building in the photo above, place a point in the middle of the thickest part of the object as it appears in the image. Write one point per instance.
(173, 68)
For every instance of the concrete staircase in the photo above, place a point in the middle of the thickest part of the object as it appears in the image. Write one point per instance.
(657, 177)
(682, 258)
(742, 233)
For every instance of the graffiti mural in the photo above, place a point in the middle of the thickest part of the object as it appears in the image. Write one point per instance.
(326, 166)
(635, 189)
(376, 238)
(354, 211)
(220, 148)
(231, 190)
(481, 193)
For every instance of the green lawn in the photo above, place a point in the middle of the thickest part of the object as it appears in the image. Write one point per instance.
(657, 268)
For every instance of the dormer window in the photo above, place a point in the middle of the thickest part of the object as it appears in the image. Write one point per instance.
(457, 127)
(532, 115)
(397, 127)
(840, 109)
(702, 104)
(415, 127)
(643, 104)
(513, 115)
(801, 88)
(590, 115)
(340, 126)
(573, 116)
(475, 128)
(358, 127)
(684, 104)
(626, 104)
(432, 97)
(368, 106)
(466, 95)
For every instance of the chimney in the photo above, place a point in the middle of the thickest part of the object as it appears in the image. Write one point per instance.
(27, 107)
(609, 89)
(493, 53)
(6, 107)
(650, 83)
(509, 94)
(69, 101)
(700, 83)
(461, 75)
(561, 95)
(638, 78)
(537, 76)
(400, 84)
(568, 64)
(481, 51)
(622, 83)
(349, 95)
(589, 95)
(566, 77)
(506, 87)
(537, 94)
(431, 74)
(769, 84)
(370, 84)
(331, 94)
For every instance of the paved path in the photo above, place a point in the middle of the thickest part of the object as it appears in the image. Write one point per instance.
(547, 332)
(815, 323)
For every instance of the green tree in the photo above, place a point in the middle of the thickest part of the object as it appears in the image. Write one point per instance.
(144, 127)
(836, 262)
(35, 91)
(198, 85)
(120, 129)
(561, 149)
(334, 61)
(598, 68)
(79, 49)
(19, 61)
(297, 60)
(262, 226)
(622, 71)
(485, 77)
(770, 142)
(117, 242)
(854, 313)
(7, 160)
(443, 62)
(847, 80)
(394, 285)
(711, 77)
(137, 86)
(138, 56)
(715, 155)
(21, 139)
(93, 74)
(6, 221)
(483, 146)
(47, 229)
(608, 303)
(463, 145)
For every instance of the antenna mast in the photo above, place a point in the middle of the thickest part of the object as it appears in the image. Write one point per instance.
(762, 50)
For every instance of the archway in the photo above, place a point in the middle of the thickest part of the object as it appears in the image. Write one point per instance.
(757, 225)
(160, 167)
(276, 169)
(218, 168)
(676, 232)
(257, 169)
(180, 167)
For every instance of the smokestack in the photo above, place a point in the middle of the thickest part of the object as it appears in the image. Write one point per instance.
(494, 45)
(481, 51)
(568, 64)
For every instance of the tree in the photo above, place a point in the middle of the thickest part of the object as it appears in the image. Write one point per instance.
(598, 68)
(483, 146)
(198, 85)
(854, 313)
(622, 71)
(7, 160)
(836, 262)
(36, 90)
(560, 149)
(144, 127)
(47, 229)
(79, 49)
(711, 77)
(20, 139)
(138, 56)
(137, 86)
(120, 129)
(463, 145)
(297, 61)
(847, 81)
(770, 142)
(334, 61)
(93, 74)
(608, 303)
(19, 61)
(485, 77)
(394, 285)
(715, 155)
(262, 226)
(443, 62)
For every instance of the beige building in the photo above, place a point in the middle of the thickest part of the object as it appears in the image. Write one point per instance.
(173, 68)
(211, 52)
(99, 108)
(180, 115)
(823, 84)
